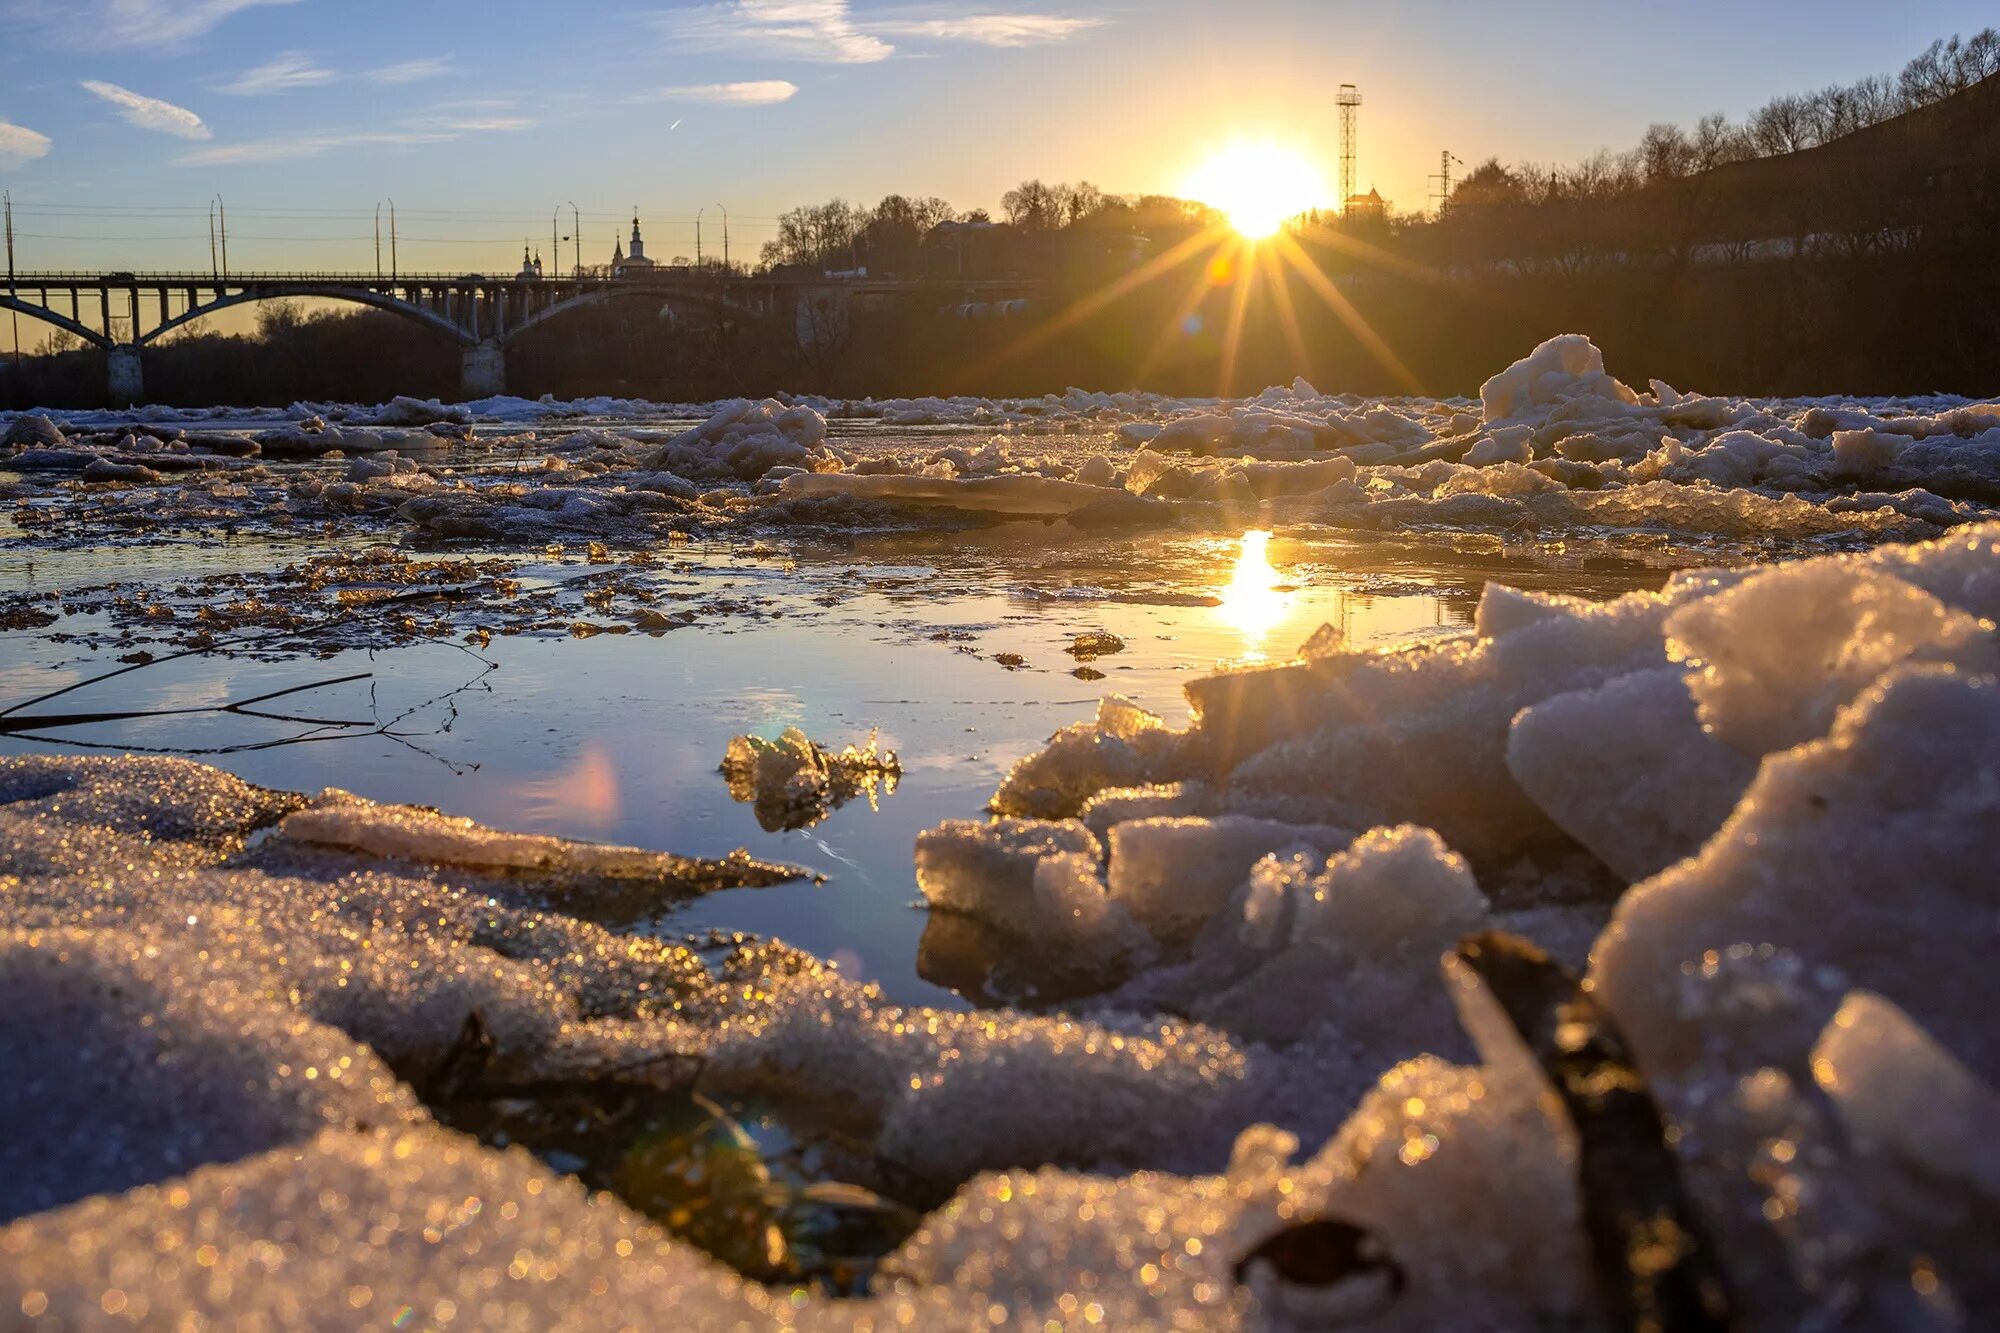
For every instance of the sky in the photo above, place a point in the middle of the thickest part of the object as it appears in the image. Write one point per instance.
(120, 120)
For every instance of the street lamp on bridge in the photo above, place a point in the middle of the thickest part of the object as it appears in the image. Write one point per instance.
(215, 210)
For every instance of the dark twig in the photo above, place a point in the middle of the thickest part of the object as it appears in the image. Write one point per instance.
(10, 724)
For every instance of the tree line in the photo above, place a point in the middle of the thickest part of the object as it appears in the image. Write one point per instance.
(892, 236)
(1787, 124)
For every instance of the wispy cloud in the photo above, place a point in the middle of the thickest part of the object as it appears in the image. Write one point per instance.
(993, 29)
(108, 25)
(20, 145)
(285, 147)
(281, 73)
(477, 124)
(760, 92)
(150, 113)
(410, 71)
(822, 30)
(296, 69)
(443, 123)
(472, 115)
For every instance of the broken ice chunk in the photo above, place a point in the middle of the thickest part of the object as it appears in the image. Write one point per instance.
(1779, 653)
(1174, 874)
(1871, 850)
(1627, 770)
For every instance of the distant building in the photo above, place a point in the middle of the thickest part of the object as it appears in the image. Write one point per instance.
(531, 269)
(635, 264)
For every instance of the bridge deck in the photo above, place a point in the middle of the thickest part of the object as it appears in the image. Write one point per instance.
(482, 312)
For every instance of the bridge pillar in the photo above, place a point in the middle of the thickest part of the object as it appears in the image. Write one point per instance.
(128, 380)
(483, 369)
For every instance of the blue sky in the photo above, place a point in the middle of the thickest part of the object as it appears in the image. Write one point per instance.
(120, 119)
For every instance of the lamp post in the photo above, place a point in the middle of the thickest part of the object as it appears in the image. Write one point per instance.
(16, 314)
(222, 214)
(392, 241)
(378, 240)
(725, 238)
(576, 234)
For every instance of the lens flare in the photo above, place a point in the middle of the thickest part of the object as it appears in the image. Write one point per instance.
(1258, 185)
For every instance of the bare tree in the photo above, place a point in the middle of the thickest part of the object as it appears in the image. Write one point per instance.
(1780, 126)
(1033, 206)
(817, 236)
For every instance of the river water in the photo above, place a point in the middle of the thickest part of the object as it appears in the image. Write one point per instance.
(951, 646)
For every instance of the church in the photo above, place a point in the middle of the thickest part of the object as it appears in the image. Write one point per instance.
(635, 264)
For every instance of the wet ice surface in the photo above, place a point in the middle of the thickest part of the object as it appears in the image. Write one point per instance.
(1202, 945)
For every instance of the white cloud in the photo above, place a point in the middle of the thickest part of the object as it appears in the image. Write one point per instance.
(820, 30)
(150, 113)
(995, 29)
(103, 25)
(410, 71)
(281, 73)
(761, 92)
(20, 145)
(284, 147)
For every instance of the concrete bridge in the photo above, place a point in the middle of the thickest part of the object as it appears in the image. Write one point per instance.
(124, 312)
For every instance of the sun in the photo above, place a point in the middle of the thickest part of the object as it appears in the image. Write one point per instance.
(1258, 185)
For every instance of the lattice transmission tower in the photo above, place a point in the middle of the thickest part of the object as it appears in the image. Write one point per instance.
(1446, 161)
(1350, 103)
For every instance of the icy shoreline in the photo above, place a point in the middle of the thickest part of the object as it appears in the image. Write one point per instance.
(1792, 768)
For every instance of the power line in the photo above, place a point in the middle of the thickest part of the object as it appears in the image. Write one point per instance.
(333, 214)
(280, 240)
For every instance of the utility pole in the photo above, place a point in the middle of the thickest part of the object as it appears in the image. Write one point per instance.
(576, 234)
(725, 237)
(697, 236)
(1349, 101)
(555, 245)
(378, 240)
(393, 270)
(214, 269)
(222, 212)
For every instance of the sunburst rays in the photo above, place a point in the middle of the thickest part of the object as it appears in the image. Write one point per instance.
(1223, 256)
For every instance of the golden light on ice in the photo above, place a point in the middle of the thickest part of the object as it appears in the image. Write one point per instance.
(1253, 602)
(1258, 185)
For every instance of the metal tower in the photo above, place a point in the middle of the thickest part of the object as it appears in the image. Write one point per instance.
(1349, 100)
(1446, 160)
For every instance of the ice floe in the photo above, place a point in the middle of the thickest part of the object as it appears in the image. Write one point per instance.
(1556, 444)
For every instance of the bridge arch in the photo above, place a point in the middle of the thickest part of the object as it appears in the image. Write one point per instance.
(331, 292)
(55, 319)
(658, 295)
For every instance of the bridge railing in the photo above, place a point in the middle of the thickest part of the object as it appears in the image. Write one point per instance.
(125, 277)
(657, 277)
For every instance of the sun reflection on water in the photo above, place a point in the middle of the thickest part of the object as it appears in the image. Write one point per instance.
(1254, 600)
